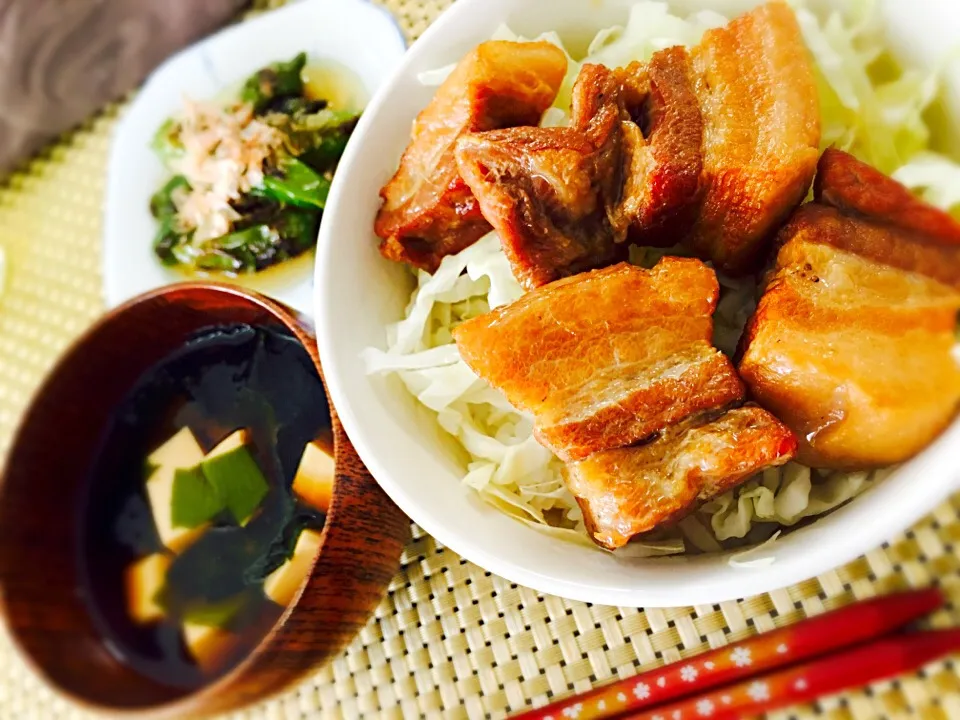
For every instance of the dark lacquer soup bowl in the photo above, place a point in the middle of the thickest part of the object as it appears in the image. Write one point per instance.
(184, 526)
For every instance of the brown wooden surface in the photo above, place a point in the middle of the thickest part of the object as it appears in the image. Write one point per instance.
(48, 469)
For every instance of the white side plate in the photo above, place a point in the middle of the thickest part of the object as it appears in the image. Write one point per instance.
(352, 33)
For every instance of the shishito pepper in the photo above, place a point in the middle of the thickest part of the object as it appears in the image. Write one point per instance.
(296, 183)
(276, 81)
(290, 233)
(163, 208)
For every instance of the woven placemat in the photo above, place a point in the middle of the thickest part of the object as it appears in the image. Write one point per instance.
(450, 640)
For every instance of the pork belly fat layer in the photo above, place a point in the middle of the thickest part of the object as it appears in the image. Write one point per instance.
(761, 132)
(632, 490)
(623, 403)
(853, 355)
(607, 357)
(428, 212)
(882, 243)
(858, 189)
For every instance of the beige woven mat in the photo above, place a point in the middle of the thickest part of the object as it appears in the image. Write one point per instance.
(450, 640)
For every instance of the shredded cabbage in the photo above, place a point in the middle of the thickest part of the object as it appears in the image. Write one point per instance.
(650, 27)
(878, 121)
(934, 177)
(783, 496)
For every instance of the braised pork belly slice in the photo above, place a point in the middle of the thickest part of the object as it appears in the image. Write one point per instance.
(608, 357)
(627, 401)
(564, 199)
(857, 189)
(761, 135)
(540, 188)
(853, 354)
(661, 133)
(662, 188)
(428, 212)
(552, 193)
(632, 490)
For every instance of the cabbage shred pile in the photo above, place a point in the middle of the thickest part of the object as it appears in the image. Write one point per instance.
(879, 121)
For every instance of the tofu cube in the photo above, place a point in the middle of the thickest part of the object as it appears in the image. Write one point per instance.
(313, 483)
(210, 646)
(182, 450)
(143, 580)
(282, 584)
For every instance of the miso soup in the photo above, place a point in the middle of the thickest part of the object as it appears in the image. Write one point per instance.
(205, 506)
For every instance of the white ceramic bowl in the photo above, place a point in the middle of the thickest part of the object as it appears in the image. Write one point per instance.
(352, 33)
(358, 293)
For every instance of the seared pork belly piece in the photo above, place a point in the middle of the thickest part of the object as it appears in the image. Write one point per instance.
(552, 193)
(540, 188)
(714, 147)
(632, 490)
(606, 358)
(428, 212)
(661, 133)
(880, 242)
(856, 188)
(850, 350)
(761, 132)
(564, 199)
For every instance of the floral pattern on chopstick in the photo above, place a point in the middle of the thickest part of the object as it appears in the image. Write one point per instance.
(749, 658)
(811, 680)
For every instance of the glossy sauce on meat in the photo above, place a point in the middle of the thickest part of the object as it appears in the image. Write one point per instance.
(428, 212)
(761, 132)
(852, 342)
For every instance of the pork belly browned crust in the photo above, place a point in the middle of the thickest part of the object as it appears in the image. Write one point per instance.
(662, 133)
(563, 199)
(856, 188)
(664, 175)
(428, 212)
(552, 194)
(541, 190)
(885, 244)
(850, 351)
(632, 490)
(761, 132)
(608, 357)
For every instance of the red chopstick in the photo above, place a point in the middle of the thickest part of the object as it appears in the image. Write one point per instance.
(809, 638)
(884, 658)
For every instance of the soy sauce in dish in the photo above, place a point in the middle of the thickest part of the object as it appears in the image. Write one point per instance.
(185, 576)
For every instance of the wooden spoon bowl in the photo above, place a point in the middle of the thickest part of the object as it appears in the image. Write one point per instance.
(46, 476)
